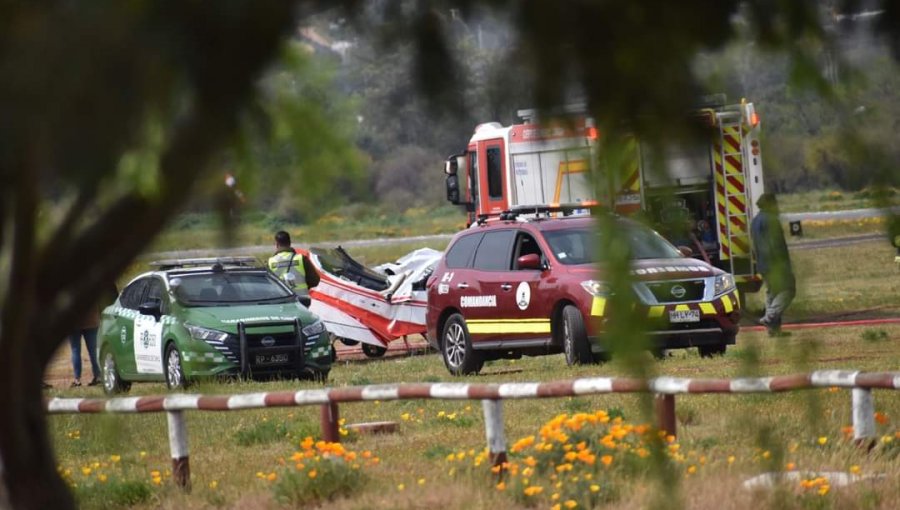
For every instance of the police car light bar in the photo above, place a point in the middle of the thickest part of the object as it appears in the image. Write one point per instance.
(165, 265)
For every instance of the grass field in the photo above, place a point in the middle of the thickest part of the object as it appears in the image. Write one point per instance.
(246, 459)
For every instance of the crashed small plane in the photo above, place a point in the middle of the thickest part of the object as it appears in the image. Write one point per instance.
(371, 306)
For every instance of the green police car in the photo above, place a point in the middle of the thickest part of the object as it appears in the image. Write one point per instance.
(209, 317)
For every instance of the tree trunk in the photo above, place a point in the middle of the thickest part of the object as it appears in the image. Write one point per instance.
(30, 479)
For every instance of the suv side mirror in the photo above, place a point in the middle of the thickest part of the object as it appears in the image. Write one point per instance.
(530, 261)
(453, 189)
(686, 251)
(152, 308)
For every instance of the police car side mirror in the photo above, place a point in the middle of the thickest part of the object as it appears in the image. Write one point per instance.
(152, 308)
(530, 261)
(304, 300)
(685, 251)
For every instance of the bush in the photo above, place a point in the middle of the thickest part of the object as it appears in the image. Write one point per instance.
(874, 335)
(112, 494)
(321, 472)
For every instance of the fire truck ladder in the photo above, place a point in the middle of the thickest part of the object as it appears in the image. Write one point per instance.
(731, 195)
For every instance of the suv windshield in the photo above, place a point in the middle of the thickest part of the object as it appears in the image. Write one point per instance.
(579, 246)
(217, 289)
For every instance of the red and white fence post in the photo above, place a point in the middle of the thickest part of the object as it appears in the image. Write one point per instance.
(178, 444)
(493, 429)
(330, 423)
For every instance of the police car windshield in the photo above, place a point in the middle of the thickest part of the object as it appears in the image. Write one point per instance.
(228, 288)
(580, 246)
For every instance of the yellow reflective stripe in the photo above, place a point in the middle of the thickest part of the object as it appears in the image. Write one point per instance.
(682, 308)
(708, 308)
(656, 311)
(484, 327)
(726, 302)
(598, 306)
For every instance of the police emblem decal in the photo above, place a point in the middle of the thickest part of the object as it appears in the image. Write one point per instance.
(523, 295)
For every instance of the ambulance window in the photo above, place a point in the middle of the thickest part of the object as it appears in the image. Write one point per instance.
(494, 251)
(460, 254)
(131, 296)
(495, 176)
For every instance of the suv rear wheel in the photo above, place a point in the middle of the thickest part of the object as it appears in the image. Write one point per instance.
(574, 337)
(456, 347)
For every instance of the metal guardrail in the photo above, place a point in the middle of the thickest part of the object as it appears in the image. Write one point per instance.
(491, 395)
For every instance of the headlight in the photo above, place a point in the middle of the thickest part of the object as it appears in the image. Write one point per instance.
(206, 334)
(724, 283)
(595, 288)
(316, 328)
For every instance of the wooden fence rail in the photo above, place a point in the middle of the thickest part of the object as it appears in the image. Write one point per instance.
(491, 395)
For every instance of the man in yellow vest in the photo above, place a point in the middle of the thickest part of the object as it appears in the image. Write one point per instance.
(287, 264)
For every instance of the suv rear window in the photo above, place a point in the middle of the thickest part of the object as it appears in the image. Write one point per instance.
(494, 253)
(460, 253)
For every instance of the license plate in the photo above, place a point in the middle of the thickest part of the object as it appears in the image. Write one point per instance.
(271, 359)
(684, 316)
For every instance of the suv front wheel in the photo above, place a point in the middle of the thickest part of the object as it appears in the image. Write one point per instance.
(456, 347)
(574, 337)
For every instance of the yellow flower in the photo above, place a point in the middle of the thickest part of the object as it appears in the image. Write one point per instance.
(213, 484)
(115, 458)
(822, 440)
(400, 487)
(533, 490)
(421, 481)
(823, 490)
(855, 469)
(731, 459)
(143, 454)
(404, 416)
(312, 473)
(691, 469)
(554, 496)
(101, 477)
(595, 488)
(570, 504)
(85, 470)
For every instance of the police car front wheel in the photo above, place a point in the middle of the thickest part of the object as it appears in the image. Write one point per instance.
(174, 369)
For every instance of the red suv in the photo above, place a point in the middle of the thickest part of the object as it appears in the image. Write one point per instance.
(512, 287)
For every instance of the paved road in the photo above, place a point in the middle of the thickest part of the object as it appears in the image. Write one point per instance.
(266, 248)
(837, 241)
(851, 214)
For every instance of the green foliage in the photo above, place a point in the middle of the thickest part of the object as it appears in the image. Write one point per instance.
(334, 478)
(874, 335)
(114, 493)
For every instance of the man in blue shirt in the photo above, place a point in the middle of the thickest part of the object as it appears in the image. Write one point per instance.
(773, 262)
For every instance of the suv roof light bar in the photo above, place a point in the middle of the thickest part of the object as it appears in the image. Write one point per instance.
(165, 265)
(547, 209)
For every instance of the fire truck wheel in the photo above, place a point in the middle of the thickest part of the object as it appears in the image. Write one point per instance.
(574, 336)
(709, 351)
(373, 351)
(456, 347)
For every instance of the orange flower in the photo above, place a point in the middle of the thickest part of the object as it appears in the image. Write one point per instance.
(606, 460)
(881, 418)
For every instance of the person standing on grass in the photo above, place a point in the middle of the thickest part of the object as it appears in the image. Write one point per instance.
(88, 331)
(773, 262)
(287, 264)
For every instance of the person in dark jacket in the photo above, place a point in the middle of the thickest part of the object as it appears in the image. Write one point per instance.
(773, 262)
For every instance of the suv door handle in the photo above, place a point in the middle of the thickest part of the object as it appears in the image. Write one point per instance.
(506, 286)
(462, 285)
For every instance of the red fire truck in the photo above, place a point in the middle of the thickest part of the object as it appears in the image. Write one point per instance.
(699, 194)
